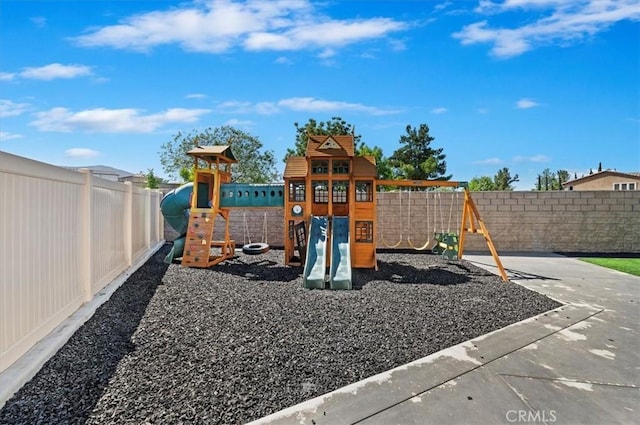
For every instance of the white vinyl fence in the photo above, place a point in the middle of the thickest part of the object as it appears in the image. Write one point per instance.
(64, 236)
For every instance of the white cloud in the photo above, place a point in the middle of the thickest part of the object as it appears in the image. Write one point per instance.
(239, 123)
(525, 103)
(483, 111)
(310, 104)
(6, 136)
(7, 76)
(56, 70)
(103, 120)
(565, 23)
(535, 158)
(300, 104)
(282, 60)
(398, 45)
(12, 109)
(39, 21)
(196, 96)
(489, 161)
(81, 153)
(439, 110)
(443, 5)
(327, 53)
(266, 108)
(219, 26)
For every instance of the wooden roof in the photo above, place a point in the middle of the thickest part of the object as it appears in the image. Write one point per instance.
(364, 166)
(330, 145)
(296, 167)
(211, 153)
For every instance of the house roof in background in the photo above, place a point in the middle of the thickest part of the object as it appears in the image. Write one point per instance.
(104, 169)
(598, 174)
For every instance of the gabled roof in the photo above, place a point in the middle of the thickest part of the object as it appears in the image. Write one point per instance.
(330, 145)
(600, 174)
(364, 166)
(210, 153)
(104, 169)
(296, 167)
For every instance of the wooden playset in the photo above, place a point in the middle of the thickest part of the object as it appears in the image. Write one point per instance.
(330, 216)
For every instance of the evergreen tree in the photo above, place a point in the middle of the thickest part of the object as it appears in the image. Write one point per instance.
(416, 160)
(153, 182)
(503, 179)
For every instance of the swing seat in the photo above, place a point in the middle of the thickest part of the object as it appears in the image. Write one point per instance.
(255, 248)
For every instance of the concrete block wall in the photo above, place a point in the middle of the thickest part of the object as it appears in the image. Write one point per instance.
(563, 221)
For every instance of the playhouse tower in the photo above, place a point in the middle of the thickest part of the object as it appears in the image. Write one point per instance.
(331, 181)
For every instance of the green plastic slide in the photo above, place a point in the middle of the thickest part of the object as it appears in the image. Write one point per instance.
(340, 276)
(315, 266)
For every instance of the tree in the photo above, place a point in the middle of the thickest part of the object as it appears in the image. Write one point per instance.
(503, 179)
(563, 176)
(254, 165)
(385, 171)
(480, 184)
(549, 180)
(336, 126)
(599, 166)
(415, 159)
(153, 182)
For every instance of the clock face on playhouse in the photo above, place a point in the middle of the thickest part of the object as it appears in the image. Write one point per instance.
(296, 210)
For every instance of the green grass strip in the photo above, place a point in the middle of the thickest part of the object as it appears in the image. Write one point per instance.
(626, 265)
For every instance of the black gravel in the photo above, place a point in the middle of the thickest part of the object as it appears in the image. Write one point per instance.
(243, 339)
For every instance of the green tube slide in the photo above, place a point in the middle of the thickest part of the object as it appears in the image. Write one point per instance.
(175, 207)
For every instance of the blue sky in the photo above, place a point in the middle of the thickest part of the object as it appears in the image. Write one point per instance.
(523, 84)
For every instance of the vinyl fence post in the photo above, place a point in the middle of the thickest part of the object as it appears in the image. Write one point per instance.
(87, 234)
(128, 228)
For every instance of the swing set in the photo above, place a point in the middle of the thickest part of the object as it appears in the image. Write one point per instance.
(442, 236)
(448, 243)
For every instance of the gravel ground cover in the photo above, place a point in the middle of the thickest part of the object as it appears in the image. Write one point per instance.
(243, 339)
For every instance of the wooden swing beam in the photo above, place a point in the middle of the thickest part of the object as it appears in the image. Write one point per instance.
(471, 220)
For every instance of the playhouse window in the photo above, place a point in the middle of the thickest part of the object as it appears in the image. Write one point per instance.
(340, 192)
(364, 192)
(319, 167)
(340, 166)
(297, 191)
(364, 231)
(320, 191)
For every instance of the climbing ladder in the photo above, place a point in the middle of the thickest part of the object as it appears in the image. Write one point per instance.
(199, 241)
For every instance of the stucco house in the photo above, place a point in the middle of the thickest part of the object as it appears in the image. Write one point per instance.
(605, 180)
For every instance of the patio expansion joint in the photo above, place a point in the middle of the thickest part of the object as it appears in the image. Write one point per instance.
(489, 361)
(577, 381)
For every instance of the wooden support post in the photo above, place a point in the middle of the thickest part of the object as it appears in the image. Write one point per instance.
(470, 214)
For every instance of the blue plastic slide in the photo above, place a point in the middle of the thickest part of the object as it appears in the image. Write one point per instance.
(175, 207)
(316, 263)
(340, 276)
